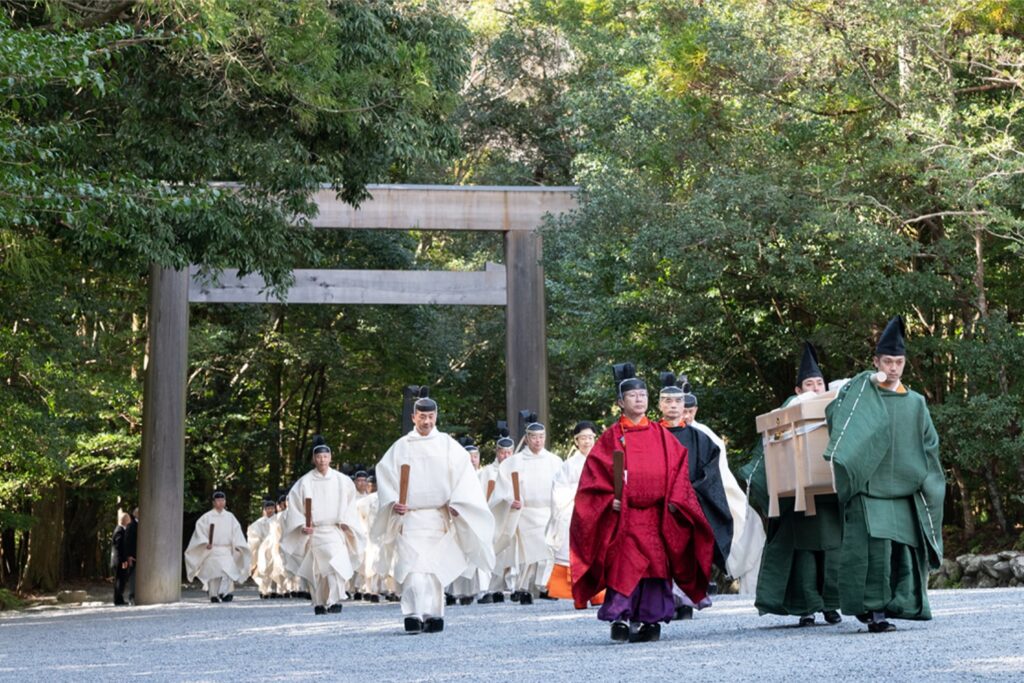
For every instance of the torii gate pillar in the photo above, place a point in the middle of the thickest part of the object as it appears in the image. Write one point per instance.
(162, 471)
(526, 354)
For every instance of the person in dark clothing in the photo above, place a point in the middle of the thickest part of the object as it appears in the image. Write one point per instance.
(123, 567)
(133, 545)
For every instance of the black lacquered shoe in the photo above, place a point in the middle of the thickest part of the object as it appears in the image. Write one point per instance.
(227, 598)
(647, 633)
(214, 599)
(433, 625)
(334, 609)
(806, 620)
(373, 597)
(515, 596)
(620, 631)
(486, 599)
(832, 616)
(413, 625)
(466, 600)
(525, 598)
(499, 597)
(683, 612)
(880, 627)
(449, 599)
(319, 609)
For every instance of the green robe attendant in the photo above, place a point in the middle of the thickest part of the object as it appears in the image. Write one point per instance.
(800, 563)
(885, 458)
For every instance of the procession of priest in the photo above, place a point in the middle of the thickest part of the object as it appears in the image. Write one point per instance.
(839, 511)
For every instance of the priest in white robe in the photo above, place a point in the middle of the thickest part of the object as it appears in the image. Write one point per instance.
(563, 495)
(521, 524)
(505, 564)
(441, 530)
(282, 583)
(474, 581)
(325, 550)
(256, 535)
(218, 553)
(369, 585)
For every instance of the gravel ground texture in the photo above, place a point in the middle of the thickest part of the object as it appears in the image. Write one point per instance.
(975, 635)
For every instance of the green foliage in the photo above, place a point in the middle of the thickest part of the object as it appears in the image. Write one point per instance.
(9, 600)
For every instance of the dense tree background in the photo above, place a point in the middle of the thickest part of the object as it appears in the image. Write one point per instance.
(753, 173)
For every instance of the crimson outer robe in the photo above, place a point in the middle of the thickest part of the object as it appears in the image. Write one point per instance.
(661, 521)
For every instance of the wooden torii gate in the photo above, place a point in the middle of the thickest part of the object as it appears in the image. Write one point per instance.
(518, 285)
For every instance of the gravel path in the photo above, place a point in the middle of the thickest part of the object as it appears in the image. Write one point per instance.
(975, 635)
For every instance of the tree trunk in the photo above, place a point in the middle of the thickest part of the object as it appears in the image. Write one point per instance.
(42, 568)
(970, 522)
(995, 495)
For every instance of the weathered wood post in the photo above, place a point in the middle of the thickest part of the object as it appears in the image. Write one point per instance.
(526, 353)
(162, 472)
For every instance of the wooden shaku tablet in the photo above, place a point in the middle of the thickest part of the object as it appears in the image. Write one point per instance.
(403, 485)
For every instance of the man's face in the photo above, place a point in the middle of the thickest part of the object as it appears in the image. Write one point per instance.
(322, 461)
(219, 504)
(815, 384)
(688, 416)
(126, 519)
(671, 408)
(535, 441)
(474, 457)
(269, 511)
(634, 403)
(135, 513)
(361, 484)
(585, 441)
(424, 421)
(503, 453)
(892, 366)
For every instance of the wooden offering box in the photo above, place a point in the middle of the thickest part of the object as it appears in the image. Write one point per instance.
(794, 440)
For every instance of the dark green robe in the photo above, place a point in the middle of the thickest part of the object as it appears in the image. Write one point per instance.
(800, 564)
(885, 457)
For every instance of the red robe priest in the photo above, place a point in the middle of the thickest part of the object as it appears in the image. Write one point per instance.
(635, 548)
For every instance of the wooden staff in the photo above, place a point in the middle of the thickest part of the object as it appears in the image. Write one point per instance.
(490, 488)
(515, 486)
(403, 485)
(309, 512)
(618, 467)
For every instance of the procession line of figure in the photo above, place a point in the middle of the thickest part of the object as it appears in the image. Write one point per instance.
(631, 522)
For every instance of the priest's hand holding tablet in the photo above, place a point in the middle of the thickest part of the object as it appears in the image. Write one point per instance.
(617, 505)
(307, 530)
(400, 508)
(517, 505)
